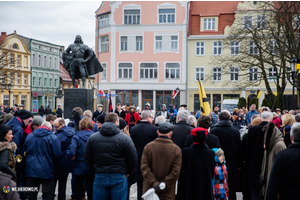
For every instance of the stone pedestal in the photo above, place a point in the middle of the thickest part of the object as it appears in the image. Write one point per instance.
(77, 97)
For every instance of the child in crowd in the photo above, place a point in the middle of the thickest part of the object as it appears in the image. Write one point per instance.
(219, 182)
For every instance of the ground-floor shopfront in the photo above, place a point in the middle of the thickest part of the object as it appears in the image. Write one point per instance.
(16, 97)
(40, 98)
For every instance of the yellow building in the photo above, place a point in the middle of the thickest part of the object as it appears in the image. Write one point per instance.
(15, 69)
(208, 30)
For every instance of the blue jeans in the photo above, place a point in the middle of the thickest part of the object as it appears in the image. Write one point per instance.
(110, 186)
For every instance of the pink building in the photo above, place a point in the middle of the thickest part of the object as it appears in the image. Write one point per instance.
(142, 46)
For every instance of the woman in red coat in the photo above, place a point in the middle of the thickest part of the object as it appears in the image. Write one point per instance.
(276, 120)
(132, 117)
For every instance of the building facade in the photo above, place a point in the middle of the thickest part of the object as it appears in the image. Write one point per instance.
(210, 23)
(15, 69)
(142, 48)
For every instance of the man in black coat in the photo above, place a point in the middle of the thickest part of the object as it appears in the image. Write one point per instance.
(182, 129)
(230, 141)
(141, 135)
(48, 111)
(98, 112)
(59, 112)
(255, 153)
(285, 174)
(41, 111)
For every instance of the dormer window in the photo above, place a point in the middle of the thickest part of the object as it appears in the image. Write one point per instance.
(15, 46)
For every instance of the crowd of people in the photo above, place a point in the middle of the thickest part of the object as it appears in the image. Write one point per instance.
(107, 152)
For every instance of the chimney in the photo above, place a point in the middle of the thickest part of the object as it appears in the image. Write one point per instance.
(3, 37)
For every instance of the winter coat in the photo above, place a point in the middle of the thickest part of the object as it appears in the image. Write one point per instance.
(42, 150)
(273, 144)
(161, 162)
(48, 110)
(197, 172)
(41, 111)
(277, 122)
(180, 132)
(239, 123)
(64, 164)
(141, 135)
(135, 115)
(59, 112)
(249, 115)
(220, 185)
(96, 114)
(285, 174)
(5, 180)
(255, 152)
(17, 126)
(121, 113)
(76, 149)
(7, 158)
(286, 135)
(230, 142)
(212, 141)
(110, 151)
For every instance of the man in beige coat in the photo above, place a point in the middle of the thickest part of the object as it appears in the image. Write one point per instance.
(161, 162)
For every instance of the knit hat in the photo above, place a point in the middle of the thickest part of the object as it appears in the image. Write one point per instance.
(218, 153)
(37, 120)
(199, 134)
(101, 118)
(122, 123)
(8, 117)
(23, 114)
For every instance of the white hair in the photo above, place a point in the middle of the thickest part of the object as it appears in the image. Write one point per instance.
(48, 125)
(160, 119)
(226, 111)
(183, 115)
(295, 132)
(266, 115)
(192, 119)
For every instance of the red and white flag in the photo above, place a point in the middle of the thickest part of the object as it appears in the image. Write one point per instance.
(175, 93)
(102, 92)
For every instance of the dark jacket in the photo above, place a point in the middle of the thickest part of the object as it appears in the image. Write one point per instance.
(42, 150)
(41, 111)
(59, 112)
(197, 170)
(230, 141)
(286, 132)
(17, 126)
(65, 164)
(96, 113)
(5, 180)
(212, 141)
(180, 131)
(239, 123)
(255, 152)
(48, 110)
(285, 174)
(110, 152)
(7, 158)
(77, 149)
(120, 114)
(141, 135)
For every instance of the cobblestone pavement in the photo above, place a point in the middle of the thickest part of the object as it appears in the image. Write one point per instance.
(133, 192)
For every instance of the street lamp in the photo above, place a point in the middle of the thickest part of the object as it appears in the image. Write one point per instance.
(9, 85)
(293, 63)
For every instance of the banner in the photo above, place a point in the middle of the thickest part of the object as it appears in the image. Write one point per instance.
(204, 104)
(34, 106)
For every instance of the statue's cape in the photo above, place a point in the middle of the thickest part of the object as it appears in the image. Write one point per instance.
(93, 66)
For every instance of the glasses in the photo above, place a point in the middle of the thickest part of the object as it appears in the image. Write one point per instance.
(56, 126)
(29, 119)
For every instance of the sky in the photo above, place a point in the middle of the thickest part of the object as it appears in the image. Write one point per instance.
(56, 22)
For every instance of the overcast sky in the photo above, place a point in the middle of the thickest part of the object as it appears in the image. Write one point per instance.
(56, 22)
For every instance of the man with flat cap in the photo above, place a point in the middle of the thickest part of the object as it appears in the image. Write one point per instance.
(161, 162)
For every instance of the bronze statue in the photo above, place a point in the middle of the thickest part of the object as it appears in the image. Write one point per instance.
(80, 61)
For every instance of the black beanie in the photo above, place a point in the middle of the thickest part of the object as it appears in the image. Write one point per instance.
(101, 118)
(24, 114)
(122, 123)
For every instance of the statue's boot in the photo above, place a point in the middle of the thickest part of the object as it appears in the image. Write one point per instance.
(83, 82)
(73, 81)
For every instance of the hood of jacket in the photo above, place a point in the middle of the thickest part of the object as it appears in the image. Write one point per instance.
(224, 123)
(42, 131)
(8, 145)
(16, 121)
(109, 129)
(84, 134)
(272, 136)
(66, 131)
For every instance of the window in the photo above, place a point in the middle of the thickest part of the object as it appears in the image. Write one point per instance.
(50, 62)
(18, 60)
(55, 63)
(297, 21)
(253, 50)
(209, 24)
(103, 73)
(50, 82)
(139, 43)
(273, 47)
(11, 78)
(25, 61)
(40, 81)
(254, 2)
(234, 74)
(124, 43)
(272, 73)
(45, 82)
(200, 48)
(217, 48)
(261, 21)
(33, 59)
(172, 71)
(15, 46)
(174, 42)
(199, 73)
(55, 83)
(158, 42)
(131, 16)
(234, 48)
(19, 80)
(166, 15)
(247, 22)
(103, 20)
(45, 61)
(253, 74)
(125, 70)
(25, 80)
(39, 60)
(104, 43)
(33, 81)
(148, 70)
(12, 58)
(217, 74)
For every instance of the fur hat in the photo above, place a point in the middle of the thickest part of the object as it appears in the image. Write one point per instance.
(199, 134)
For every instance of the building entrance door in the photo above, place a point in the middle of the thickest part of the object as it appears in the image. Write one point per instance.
(147, 98)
